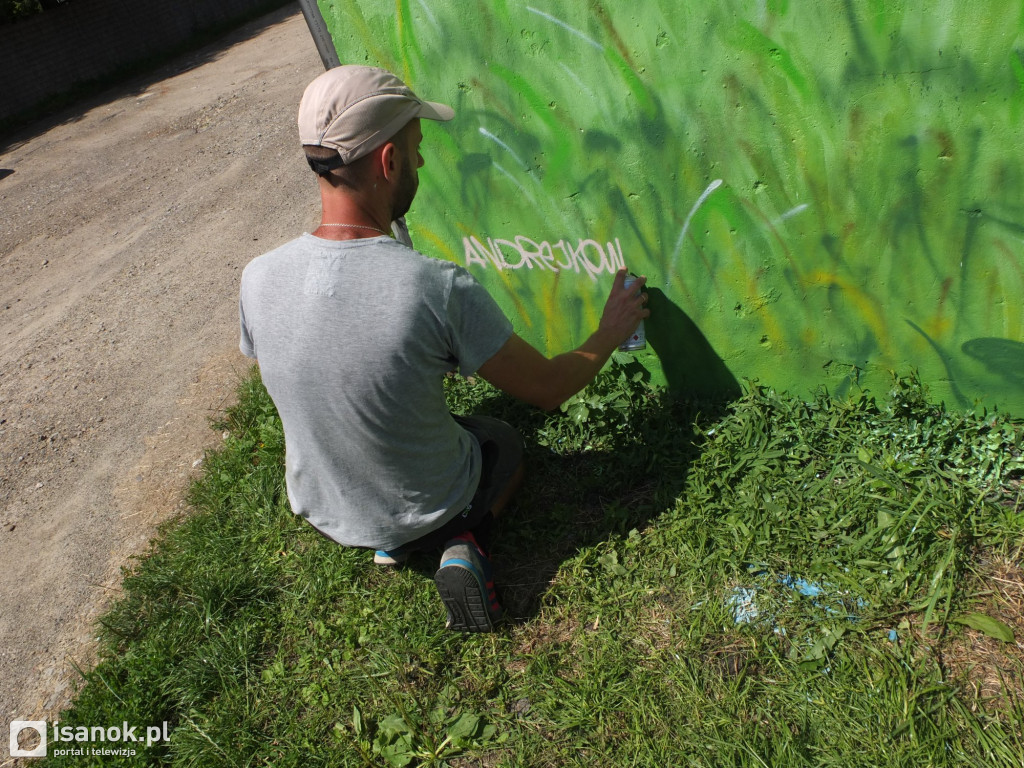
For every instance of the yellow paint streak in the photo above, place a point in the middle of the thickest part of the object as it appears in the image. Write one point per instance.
(859, 300)
(938, 327)
(550, 311)
(521, 310)
(590, 312)
(406, 67)
(771, 327)
(1012, 272)
(442, 246)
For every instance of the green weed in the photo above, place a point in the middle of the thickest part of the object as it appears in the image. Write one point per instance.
(767, 582)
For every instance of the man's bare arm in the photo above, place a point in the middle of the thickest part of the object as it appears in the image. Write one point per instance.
(523, 372)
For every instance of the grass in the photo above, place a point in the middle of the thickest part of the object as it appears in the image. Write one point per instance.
(771, 582)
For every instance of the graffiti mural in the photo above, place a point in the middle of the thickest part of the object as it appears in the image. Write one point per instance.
(819, 192)
(560, 256)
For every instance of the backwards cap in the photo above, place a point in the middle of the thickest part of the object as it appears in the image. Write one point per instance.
(354, 109)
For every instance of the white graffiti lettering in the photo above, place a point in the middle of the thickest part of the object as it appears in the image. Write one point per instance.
(588, 256)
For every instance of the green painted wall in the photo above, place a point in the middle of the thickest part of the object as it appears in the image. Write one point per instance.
(820, 191)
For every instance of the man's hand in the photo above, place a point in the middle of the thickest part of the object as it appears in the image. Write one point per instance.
(624, 309)
(523, 372)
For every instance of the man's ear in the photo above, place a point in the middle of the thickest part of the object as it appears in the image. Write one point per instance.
(389, 164)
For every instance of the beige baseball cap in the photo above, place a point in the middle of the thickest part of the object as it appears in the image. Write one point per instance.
(354, 109)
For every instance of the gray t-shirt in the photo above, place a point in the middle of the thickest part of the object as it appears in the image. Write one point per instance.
(353, 339)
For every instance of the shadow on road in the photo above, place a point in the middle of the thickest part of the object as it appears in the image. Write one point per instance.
(138, 78)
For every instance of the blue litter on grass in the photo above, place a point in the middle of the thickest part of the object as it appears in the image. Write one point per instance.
(742, 601)
(831, 601)
(804, 587)
(742, 605)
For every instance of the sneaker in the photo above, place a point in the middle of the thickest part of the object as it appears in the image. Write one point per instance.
(466, 586)
(380, 557)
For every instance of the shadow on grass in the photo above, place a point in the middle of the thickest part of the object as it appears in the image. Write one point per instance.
(586, 483)
(617, 459)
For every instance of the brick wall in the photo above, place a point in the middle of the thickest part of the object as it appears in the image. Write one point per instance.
(81, 40)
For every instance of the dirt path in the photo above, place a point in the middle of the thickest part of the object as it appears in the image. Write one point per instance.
(123, 232)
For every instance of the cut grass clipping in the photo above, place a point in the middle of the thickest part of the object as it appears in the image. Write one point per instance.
(771, 582)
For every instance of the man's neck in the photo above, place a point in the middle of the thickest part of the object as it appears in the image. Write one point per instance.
(348, 217)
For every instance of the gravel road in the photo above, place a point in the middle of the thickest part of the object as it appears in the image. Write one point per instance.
(124, 226)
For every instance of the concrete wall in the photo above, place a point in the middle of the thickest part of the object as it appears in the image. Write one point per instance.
(820, 191)
(48, 54)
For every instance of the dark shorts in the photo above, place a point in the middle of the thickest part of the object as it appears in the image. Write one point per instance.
(501, 449)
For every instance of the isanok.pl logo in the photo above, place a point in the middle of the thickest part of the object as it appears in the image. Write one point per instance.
(81, 739)
(39, 726)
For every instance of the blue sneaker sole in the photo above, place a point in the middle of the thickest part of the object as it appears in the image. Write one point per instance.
(465, 597)
(380, 557)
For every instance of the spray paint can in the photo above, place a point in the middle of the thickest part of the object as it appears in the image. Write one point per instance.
(638, 339)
